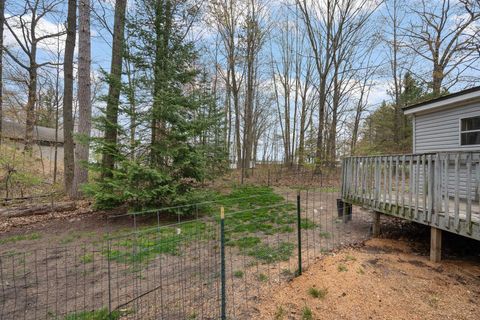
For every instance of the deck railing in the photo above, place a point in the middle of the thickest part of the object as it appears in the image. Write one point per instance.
(433, 188)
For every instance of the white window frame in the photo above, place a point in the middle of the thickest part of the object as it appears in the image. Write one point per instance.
(475, 115)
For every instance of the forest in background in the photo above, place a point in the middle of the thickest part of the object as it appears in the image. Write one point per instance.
(154, 97)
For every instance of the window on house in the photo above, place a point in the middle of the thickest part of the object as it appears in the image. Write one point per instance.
(470, 131)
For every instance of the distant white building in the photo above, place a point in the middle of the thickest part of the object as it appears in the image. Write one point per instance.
(44, 139)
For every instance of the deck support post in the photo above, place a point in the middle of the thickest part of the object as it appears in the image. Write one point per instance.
(376, 224)
(435, 244)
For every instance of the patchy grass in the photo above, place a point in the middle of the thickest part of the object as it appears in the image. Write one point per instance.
(147, 243)
(253, 211)
(245, 243)
(307, 313)
(20, 237)
(268, 254)
(101, 314)
(318, 293)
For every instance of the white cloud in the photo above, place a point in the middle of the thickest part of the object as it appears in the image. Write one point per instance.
(378, 92)
(44, 28)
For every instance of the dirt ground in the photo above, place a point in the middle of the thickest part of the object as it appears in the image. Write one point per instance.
(384, 279)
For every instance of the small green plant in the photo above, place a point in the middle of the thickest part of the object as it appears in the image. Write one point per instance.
(87, 258)
(307, 313)
(342, 268)
(101, 314)
(279, 313)
(433, 301)
(325, 235)
(317, 293)
(287, 273)
(238, 274)
(307, 224)
(360, 271)
(350, 258)
(262, 277)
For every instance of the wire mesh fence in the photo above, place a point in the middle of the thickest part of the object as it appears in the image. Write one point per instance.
(178, 271)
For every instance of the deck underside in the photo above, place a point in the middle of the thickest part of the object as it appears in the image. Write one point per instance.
(444, 219)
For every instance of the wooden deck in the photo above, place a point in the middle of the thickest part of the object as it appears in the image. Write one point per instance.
(440, 189)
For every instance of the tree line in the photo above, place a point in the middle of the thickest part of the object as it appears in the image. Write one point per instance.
(193, 87)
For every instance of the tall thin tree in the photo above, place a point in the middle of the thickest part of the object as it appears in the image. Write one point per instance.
(84, 98)
(68, 155)
(115, 79)
(2, 18)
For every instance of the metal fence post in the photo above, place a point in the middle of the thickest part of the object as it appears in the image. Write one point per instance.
(109, 249)
(299, 235)
(222, 265)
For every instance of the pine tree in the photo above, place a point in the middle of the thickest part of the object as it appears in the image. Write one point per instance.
(180, 142)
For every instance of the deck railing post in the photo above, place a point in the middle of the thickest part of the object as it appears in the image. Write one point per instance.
(430, 185)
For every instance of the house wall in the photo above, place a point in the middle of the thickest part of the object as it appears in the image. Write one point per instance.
(440, 130)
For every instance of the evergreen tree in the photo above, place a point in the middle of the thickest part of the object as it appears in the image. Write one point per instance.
(180, 142)
(381, 133)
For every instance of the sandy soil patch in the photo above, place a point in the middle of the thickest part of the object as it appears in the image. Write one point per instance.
(385, 279)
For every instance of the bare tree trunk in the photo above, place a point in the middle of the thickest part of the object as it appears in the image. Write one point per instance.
(2, 18)
(236, 105)
(57, 111)
(84, 98)
(115, 81)
(303, 115)
(437, 79)
(68, 144)
(131, 82)
(32, 99)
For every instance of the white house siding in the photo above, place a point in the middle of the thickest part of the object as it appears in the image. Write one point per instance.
(440, 129)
